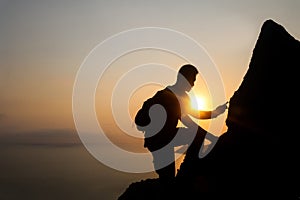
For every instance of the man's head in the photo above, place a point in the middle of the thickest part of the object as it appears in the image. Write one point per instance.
(186, 76)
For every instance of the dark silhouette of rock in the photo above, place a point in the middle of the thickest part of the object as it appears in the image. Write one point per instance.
(259, 154)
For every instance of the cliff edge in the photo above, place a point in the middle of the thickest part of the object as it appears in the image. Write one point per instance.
(259, 154)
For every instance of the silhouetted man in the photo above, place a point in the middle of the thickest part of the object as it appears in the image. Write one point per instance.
(162, 133)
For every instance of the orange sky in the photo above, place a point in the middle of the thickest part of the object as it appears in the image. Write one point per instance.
(44, 44)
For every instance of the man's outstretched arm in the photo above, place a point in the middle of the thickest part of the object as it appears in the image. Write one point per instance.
(208, 114)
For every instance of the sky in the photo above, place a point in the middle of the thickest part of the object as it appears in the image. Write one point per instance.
(43, 45)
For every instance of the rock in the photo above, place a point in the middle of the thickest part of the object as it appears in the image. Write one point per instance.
(259, 154)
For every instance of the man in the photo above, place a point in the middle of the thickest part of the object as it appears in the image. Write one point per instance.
(166, 108)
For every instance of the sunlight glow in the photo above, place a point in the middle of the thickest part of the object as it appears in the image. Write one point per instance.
(198, 103)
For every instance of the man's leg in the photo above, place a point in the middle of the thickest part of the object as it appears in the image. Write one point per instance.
(194, 148)
(188, 166)
(166, 173)
(192, 138)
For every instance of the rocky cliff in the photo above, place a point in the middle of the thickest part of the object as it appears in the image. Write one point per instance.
(259, 154)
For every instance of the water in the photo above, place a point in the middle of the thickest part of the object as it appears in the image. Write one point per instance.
(59, 172)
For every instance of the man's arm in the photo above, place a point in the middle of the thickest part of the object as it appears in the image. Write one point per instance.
(208, 114)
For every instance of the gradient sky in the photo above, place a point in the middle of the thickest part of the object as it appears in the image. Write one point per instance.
(43, 44)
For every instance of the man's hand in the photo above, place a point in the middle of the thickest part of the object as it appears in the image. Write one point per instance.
(220, 109)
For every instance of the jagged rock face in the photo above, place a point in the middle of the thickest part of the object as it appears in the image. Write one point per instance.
(262, 141)
(259, 155)
(267, 98)
(260, 151)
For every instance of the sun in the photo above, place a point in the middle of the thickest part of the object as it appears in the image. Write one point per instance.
(198, 103)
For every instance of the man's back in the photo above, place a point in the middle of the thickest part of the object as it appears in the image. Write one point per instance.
(168, 100)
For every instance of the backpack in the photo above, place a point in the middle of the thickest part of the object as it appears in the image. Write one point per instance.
(154, 137)
(142, 118)
(163, 98)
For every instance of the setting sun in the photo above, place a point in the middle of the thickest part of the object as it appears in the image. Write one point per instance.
(198, 103)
